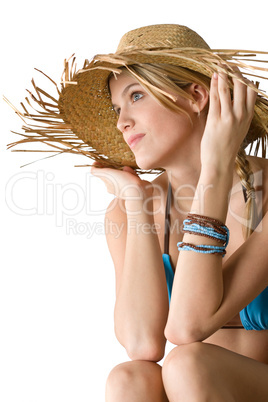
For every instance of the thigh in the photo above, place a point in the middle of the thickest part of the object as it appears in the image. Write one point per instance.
(205, 370)
(139, 381)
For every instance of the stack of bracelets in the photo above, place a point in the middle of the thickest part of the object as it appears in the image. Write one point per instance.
(207, 227)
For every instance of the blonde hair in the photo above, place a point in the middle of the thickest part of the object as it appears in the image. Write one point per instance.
(162, 80)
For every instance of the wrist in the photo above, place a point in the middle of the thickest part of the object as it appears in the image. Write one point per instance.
(214, 168)
(215, 173)
(212, 193)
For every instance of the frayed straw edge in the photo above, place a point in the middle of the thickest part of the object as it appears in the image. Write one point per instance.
(68, 78)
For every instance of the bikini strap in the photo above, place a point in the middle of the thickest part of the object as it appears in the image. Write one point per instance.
(167, 219)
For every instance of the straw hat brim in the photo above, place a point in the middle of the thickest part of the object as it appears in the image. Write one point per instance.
(82, 119)
(87, 106)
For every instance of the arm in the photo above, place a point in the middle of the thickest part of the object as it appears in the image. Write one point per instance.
(202, 300)
(141, 306)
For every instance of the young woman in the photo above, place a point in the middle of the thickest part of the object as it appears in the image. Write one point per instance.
(198, 155)
(190, 266)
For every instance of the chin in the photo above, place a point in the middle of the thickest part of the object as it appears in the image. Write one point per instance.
(148, 163)
(145, 164)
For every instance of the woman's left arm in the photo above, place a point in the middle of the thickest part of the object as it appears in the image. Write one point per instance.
(205, 296)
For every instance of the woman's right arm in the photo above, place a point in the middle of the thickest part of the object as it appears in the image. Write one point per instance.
(141, 306)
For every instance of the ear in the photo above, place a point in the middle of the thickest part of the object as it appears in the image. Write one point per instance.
(200, 97)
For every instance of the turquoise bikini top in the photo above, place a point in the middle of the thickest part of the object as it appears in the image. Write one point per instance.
(253, 317)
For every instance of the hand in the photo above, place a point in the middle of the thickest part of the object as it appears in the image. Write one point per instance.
(228, 120)
(124, 184)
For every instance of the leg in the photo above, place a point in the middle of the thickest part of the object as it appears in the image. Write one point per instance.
(136, 381)
(200, 372)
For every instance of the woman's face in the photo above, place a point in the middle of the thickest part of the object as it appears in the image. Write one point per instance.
(156, 135)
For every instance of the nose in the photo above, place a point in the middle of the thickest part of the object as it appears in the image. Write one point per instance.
(124, 122)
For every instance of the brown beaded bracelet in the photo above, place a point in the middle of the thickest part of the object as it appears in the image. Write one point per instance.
(206, 227)
(203, 249)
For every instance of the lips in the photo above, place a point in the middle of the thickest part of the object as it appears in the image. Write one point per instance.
(134, 139)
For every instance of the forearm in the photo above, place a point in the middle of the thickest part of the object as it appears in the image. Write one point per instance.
(212, 192)
(142, 301)
(198, 286)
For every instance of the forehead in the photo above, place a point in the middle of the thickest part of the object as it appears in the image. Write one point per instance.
(120, 84)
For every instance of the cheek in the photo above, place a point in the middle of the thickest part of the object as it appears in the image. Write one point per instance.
(172, 128)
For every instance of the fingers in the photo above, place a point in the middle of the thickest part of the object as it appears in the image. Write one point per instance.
(97, 167)
(252, 92)
(129, 170)
(220, 96)
(239, 95)
(214, 101)
(224, 93)
(244, 95)
(123, 183)
(106, 175)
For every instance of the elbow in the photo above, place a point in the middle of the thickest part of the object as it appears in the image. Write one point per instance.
(148, 351)
(144, 348)
(182, 333)
(184, 328)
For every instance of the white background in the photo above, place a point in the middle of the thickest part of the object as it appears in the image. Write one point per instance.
(57, 282)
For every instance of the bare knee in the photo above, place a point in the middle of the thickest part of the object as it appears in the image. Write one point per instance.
(134, 380)
(188, 374)
(118, 381)
(183, 362)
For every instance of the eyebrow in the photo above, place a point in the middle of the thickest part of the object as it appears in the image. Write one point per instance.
(126, 90)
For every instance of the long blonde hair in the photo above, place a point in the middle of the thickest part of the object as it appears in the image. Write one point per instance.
(160, 80)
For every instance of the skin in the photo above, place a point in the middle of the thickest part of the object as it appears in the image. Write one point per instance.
(207, 362)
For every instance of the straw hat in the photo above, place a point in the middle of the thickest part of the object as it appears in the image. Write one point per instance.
(82, 119)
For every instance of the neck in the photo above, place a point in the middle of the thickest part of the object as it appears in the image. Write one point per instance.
(183, 180)
(184, 165)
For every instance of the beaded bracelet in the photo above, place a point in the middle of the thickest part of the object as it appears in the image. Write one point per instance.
(195, 228)
(206, 219)
(207, 227)
(201, 248)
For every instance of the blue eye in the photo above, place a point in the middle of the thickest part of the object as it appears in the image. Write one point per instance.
(136, 96)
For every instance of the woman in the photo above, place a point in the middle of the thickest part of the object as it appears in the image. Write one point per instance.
(208, 291)
(198, 154)
(190, 268)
